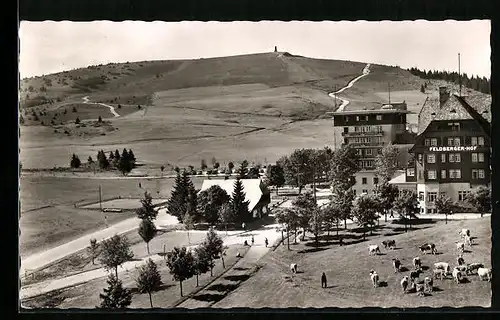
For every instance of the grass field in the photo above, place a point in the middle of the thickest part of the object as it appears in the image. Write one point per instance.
(61, 222)
(86, 296)
(124, 204)
(347, 269)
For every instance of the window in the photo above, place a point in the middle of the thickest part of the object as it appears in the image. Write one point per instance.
(431, 158)
(475, 174)
(431, 174)
(368, 152)
(480, 157)
(480, 141)
(456, 141)
(454, 157)
(450, 142)
(379, 117)
(420, 174)
(346, 129)
(421, 210)
(427, 142)
(366, 118)
(431, 196)
(410, 172)
(420, 157)
(357, 118)
(474, 157)
(434, 142)
(443, 157)
(364, 180)
(481, 173)
(375, 180)
(364, 191)
(462, 195)
(443, 174)
(421, 196)
(473, 141)
(455, 173)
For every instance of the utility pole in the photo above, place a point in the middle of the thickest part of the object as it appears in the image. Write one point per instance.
(314, 185)
(100, 198)
(459, 77)
(389, 87)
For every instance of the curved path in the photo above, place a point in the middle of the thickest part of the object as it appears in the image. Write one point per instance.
(111, 108)
(345, 102)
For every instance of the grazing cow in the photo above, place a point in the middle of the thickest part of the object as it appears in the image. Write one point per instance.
(439, 273)
(460, 246)
(374, 278)
(484, 273)
(460, 260)
(468, 241)
(293, 268)
(462, 269)
(396, 264)
(391, 244)
(417, 263)
(428, 247)
(429, 283)
(373, 249)
(404, 283)
(414, 275)
(457, 275)
(464, 233)
(471, 267)
(443, 266)
(420, 288)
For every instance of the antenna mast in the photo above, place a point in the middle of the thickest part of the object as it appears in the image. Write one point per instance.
(389, 86)
(459, 77)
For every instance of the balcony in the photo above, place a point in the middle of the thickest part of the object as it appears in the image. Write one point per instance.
(363, 134)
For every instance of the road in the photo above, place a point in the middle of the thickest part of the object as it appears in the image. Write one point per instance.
(235, 237)
(345, 102)
(111, 108)
(44, 258)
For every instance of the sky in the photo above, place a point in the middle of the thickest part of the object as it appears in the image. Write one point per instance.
(49, 47)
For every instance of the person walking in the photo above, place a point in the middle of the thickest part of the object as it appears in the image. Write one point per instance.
(323, 280)
(253, 240)
(140, 185)
(267, 242)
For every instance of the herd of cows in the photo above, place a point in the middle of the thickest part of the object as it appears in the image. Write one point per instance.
(411, 284)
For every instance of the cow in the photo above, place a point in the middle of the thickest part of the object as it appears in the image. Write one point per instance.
(460, 260)
(373, 249)
(439, 273)
(414, 275)
(468, 241)
(428, 247)
(484, 273)
(420, 288)
(443, 266)
(391, 244)
(404, 283)
(460, 246)
(396, 264)
(429, 283)
(457, 275)
(464, 232)
(471, 267)
(293, 268)
(417, 263)
(374, 278)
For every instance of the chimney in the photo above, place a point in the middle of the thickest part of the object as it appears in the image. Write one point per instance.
(444, 95)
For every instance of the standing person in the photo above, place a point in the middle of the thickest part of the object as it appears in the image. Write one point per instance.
(253, 240)
(267, 242)
(243, 225)
(140, 185)
(323, 280)
(340, 242)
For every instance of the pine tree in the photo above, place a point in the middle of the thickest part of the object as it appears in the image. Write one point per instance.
(90, 160)
(147, 210)
(75, 161)
(115, 296)
(147, 231)
(238, 202)
(176, 205)
(124, 163)
(77, 121)
(243, 170)
(117, 155)
(103, 161)
(111, 156)
(149, 279)
(131, 156)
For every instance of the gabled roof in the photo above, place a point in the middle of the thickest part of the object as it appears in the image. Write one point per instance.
(253, 188)
(475, 107)
(399, 178)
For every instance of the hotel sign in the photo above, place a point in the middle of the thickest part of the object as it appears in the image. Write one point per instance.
(462, 148)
